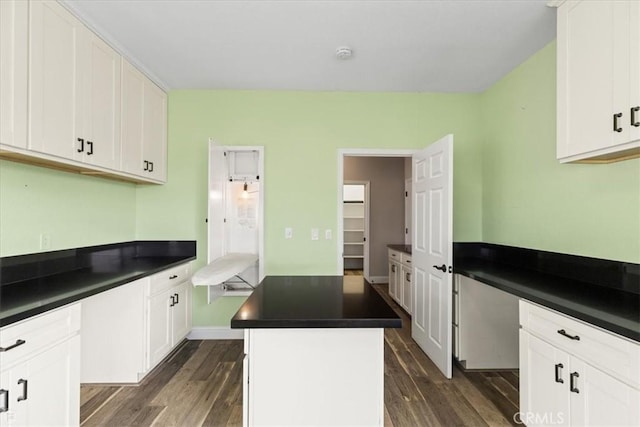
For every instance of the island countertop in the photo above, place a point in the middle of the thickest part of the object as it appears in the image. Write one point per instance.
(314, 302)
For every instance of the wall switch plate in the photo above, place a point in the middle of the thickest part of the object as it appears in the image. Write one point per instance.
(315, 234)
(45, 241)
(327, 234)
(288, 233)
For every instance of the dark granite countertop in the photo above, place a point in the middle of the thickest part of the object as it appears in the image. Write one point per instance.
(600, 292)
(314, 302)
(402, 248)
(35, 283)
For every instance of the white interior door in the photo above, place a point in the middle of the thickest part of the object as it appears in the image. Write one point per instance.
(432, 200)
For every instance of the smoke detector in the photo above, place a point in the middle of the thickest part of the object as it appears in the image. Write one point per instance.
(344, 53)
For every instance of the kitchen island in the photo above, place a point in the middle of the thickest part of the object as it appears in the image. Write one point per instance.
(314, 352)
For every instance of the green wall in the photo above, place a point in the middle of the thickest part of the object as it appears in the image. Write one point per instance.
(508, 186)
(301, 133)
(529, 198)
(74, 210)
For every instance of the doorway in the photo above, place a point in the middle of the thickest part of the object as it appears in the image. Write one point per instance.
(385, 219)
(355, 220)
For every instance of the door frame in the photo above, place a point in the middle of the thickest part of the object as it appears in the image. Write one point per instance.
(358, 152)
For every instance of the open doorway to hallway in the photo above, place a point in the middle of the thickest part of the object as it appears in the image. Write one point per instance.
(383, 179)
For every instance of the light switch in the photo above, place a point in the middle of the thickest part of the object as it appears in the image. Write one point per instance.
(327, 234)
(315, 234)
(288, 233)
(45, 241)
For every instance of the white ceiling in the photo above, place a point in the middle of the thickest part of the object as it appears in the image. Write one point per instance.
(398, 46)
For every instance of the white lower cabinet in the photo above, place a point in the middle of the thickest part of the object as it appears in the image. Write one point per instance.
(400, 276)
(113, 346)
(40, 370)
(153, 316)
(566, 376)
(407, 288)
(168, 312)
(320, 377)
(395, 283)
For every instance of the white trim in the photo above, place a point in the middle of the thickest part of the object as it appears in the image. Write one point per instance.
(359, 152)
(378, 279)
(215, 333)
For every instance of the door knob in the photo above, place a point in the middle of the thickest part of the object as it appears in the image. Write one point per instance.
(442, 268)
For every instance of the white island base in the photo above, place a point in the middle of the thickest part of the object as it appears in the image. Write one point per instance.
(315, 376)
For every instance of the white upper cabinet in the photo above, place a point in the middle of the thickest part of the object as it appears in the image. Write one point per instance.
(14, 17)
(144, 126)
(74, 98)
(54, 80)
(101, 102)
(598, 81)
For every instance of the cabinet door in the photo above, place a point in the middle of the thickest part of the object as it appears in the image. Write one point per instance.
(586, 77)
(159, 325)
(597, 399)
(544, 383)
(180, 313)
(101, 102)
(131, 160)
(14, 411)
(155, 131)
(13, 72)
(54, 386)
(44, 390)
(54, 82)
(407, 289)
(393, 279)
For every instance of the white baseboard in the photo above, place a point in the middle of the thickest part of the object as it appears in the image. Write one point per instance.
(378, 279)
(215, 333)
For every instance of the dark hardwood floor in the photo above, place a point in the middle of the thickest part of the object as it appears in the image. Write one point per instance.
(200, 385)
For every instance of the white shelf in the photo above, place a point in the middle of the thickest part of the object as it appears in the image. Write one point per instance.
(353, 256)
(354, 230)
(354, 243)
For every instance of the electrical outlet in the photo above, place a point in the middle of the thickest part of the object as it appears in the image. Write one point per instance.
(45, 241)
(288, 233)
(315, 234)
(327, 234)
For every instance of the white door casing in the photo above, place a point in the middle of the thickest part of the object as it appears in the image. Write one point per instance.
(432, 200)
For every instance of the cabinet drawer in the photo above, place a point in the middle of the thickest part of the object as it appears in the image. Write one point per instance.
(609, 352)
(170, 277)
(38, 333)
(406, 259)
(394, 255)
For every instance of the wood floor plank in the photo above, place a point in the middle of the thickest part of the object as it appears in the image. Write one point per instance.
(231, 394)
(506, 408)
